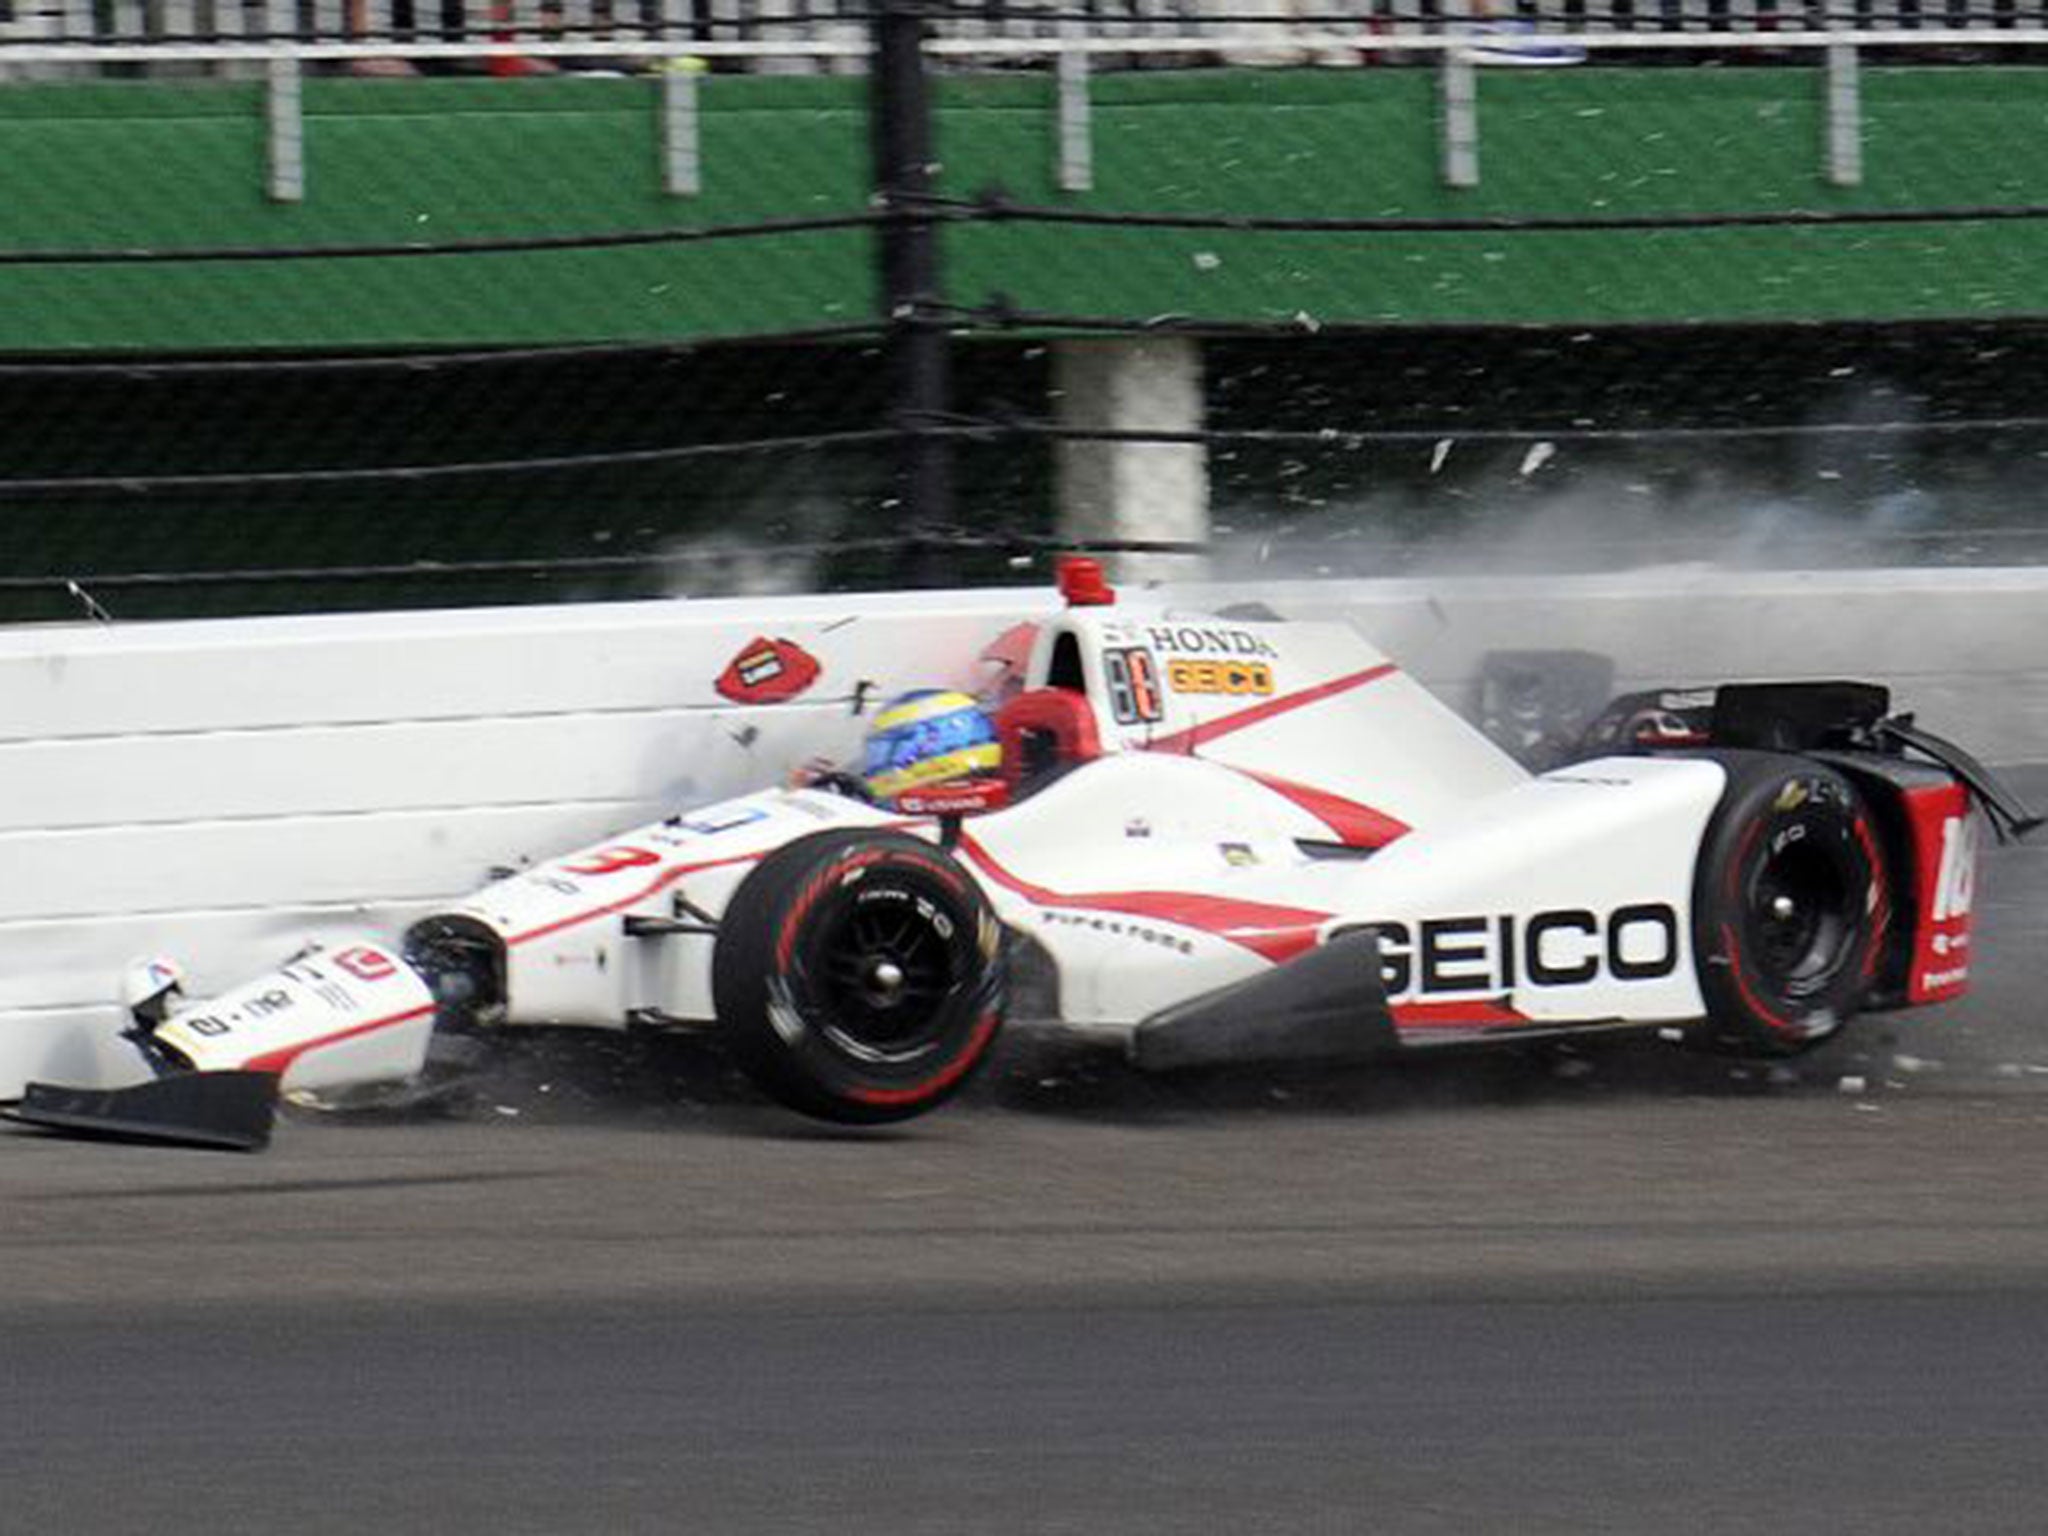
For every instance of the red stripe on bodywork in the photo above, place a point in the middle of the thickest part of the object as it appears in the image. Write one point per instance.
(284, 1056)
(1469, 1013)
(1356, 826)
(1277, 933)
(1197, 735)
(667, 878)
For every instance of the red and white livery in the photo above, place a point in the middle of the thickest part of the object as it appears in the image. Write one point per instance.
(1221, 838)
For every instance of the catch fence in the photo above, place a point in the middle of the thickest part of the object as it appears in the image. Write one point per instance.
(793, 304)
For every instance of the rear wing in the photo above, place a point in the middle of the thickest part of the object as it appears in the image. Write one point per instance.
(1828, 716)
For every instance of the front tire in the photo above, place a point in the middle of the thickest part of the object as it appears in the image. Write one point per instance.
(1791, 905)
(858, 976)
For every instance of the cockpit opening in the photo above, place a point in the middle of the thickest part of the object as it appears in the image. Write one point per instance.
(1064, 670)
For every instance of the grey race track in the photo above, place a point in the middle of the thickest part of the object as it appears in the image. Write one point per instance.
(1629, 1291)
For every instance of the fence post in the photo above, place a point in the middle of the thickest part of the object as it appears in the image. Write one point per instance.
(919, 361)
(1458, 94)
(284, 114)
(682, 165)
(1125, 488)
(1077, 148)
(1845, 116)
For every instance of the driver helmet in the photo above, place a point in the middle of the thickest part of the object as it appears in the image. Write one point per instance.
(931, 736)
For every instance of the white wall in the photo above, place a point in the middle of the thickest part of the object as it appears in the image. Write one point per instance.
(1966, 649)
(223, 789)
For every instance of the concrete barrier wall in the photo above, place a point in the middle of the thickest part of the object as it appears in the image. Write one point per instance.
(222, 790)
(1965, 649)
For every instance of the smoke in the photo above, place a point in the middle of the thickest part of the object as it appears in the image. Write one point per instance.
(1559, 520)
(731, 565)
(1868, 485)
(757, 554)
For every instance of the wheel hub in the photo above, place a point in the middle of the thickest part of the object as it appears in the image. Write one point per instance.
(1803, 918)
(882, 981)
(890, 970)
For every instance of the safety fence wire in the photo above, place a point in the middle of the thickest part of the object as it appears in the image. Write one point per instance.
(614, 325)
(585, 476)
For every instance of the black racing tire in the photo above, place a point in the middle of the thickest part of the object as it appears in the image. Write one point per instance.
(858, 977)
(1791, 906)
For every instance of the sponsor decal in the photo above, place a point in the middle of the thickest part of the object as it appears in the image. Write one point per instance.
(768, 672)
(609, 861)
(1234, 678)
(1497, 954)
(960, 799)
(1208, 640)
(1955, 879)
(264, 1004)
(1275, 932)
(1118, 927)
(1266, 709)
(366, 964)
(305, 979)
(1238, 855)
(724, 819)
(814, 804)
(250, 1009)
(1945, 838)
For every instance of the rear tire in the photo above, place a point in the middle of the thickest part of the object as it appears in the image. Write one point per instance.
(858, 976)
(1791, 906)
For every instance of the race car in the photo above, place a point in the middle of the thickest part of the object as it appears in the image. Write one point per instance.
(1219, 839)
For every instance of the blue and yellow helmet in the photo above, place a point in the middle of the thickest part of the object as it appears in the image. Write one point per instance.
(928, 737)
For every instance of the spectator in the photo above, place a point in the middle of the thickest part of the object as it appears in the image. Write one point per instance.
(379, 68)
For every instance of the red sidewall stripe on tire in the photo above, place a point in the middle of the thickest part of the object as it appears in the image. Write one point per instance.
(1733, 945)
(820, 883)
(1756, 1004)
(1881, 914)
(938, 1082)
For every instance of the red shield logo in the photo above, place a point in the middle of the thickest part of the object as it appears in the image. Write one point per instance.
(768, 672)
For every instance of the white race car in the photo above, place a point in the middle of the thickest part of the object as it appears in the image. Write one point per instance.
(1221, 839)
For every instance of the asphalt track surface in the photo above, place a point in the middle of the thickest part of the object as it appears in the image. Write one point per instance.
(1628, 1290)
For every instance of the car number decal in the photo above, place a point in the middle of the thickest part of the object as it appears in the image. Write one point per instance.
(1133, 680)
